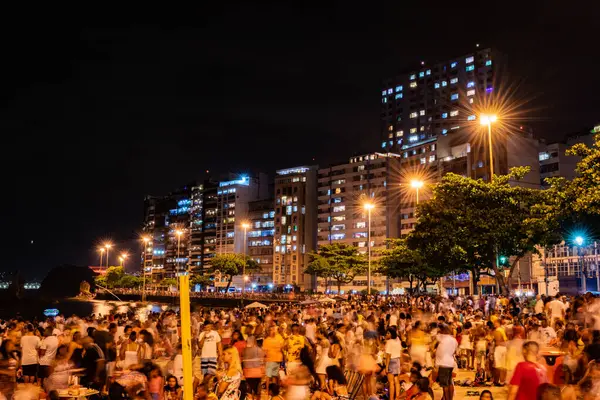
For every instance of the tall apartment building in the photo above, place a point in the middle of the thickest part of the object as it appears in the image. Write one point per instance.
(342, 191)
(163, 217)
(423, 104)
(295, 225)
(554, 162)
(261, 217)
(202, 229)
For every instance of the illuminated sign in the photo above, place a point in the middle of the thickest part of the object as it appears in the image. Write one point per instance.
(242, 181)
(297, 170)
(50, 312)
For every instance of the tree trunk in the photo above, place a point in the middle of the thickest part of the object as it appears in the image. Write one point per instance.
(339, 286)
(229, 284)
(475, 276)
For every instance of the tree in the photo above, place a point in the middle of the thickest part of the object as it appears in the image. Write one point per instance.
(583, 192)
(339, 261)
(203, 280)
(168, 282)
(130, 281)
(114, 276)
(230, 265)
(100, 280)
(470, 223)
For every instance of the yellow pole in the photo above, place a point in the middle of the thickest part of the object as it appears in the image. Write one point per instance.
(186, 335)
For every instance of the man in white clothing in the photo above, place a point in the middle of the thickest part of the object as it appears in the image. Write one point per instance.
(47, 353)
(444, 361)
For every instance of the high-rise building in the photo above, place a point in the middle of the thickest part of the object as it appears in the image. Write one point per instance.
(343, 189)
(418, 106)
(261, 217)
(295, 225)
(202, 228)
(554, 162)
(163, 217)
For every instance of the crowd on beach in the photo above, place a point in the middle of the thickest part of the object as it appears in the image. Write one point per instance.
(420, 347)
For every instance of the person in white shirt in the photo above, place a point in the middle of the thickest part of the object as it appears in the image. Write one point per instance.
(48, 349)
(444, 360)
(393, 351)
(29, 354)
(547, 333)
(556, 310)
(539, 305)
(210, 343)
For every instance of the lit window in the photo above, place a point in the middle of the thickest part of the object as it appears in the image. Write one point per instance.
(471, 118)
(469, 68)
(469, 60)
(454, 113)
(454, 96)
(455, 127)
(413, 76)
(489, 89)
(413, 138)
(436, 85)
(422, 112)
(454, 80)
(444, 131)
(433, 147)
(405, 154)
(383, 93)
(471, 84)
(544, 156)
(361, 225)
(413, 130)
(390, 128)
(399, 133)
(398, 96)
(428, 72)
(383, 144)
(471, 100)
(413, 84)
(444, 83)
(422, 128)
(471, 92)
(384, 100)
(488, 63)
(339, 208)
(398, 88)
(423, 160)
(413, 115)
(453, 65)
(431, 158)
(444, 115)
(421, 74)
(390, 91)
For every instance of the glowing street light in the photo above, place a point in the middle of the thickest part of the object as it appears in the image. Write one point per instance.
(488, 120)
(579, 240)
(417, 184)
(101, 250)
(369, 207)
(123, 258)
(107, 246)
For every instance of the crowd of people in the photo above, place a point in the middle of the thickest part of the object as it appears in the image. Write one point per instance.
(389, 348)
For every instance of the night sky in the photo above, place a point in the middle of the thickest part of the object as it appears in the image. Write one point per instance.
(100, 107)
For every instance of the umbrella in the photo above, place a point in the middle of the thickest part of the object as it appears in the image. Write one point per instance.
(327, 300)
(256, 304)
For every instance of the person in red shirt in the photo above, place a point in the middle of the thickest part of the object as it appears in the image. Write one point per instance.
(528, 376)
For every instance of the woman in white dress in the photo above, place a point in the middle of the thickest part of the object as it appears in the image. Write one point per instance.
(466, 344)
(130, 351)
(323, 360)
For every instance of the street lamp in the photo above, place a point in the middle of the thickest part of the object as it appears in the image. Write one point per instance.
(417, 184)
(101, 250)
(369, 207)
(123, 258)
(488, 120)
(245, 226)
(145, 240)
(107, 246)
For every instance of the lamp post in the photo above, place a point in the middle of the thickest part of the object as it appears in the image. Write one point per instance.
(488, 120)
(245, 226)
(123, 258)
(369, 207)
(107, 246)
(417, 184)
(101, 250)
(145, 241)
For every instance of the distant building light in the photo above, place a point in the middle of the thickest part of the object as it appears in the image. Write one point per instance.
(297, 170)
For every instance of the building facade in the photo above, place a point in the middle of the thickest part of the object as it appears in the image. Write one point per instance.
(343, 189)
(261, 217)
(295, 226)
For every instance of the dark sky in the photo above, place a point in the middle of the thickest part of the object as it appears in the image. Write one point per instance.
(99, 107)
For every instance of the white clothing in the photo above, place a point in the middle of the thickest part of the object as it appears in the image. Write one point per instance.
(556, 308)
(311, 330)
(211, 339)
(29, 349)
(131, 358)
(539, 306)
(444, 355)
(50, 344)
(393, 347)
(393, 320)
